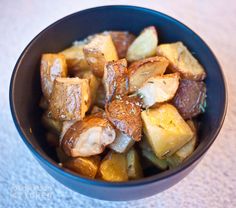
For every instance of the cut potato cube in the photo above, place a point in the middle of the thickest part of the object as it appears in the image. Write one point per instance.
(86, 166)
(51, 124)
(181, 60)
(88, 137)
(122, 40)
(75, 58)
(99, 51)
(114, 168)
(165, 130)
(65, 126)
(52, 66)
(122, 143)
(144, 45)
(115, 79)
(141, 70)
(134, 167)
(70, 99)
(159, 89)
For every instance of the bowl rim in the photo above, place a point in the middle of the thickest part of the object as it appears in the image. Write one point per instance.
(67, 173)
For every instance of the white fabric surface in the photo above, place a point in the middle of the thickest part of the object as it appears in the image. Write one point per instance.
(23, 183)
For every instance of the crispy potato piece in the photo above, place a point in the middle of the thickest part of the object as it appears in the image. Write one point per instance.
(181, 60)
(114, 168)
(51, 124)
(100, 50)
(134, 167)
(52, 66)
(43, 103)
(100, 99)
(65, 126)
(122, 143)
(62, 157)
(122, 40)
(88, 137)
(86, 166)
(165, 130)
(115, 79)
(190, 98)
(144, 45)
(159, 89)
(70, 99)
(125, 116)
(75, 58)
(140, 71)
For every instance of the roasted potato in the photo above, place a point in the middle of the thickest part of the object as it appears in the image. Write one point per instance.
(144, 45)
(51, 124)
(165, 130)
(122, 40)
(86, 166)
(124, 113)
(190, 98)
(159, 89)
(52, 66)
(114, 167)
(70, 99)
(122, 142)
(88, 137)
(115, 79)
(75, 58)
(140, 71)
(181, 60)
(134, 167)
(65, 126)
(100, 50)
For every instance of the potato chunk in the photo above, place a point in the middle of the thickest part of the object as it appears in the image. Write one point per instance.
(140, 71)
(122, 40)
(159, 89)
(165, 130)
(86, 166)
(125, 116)
(88, 137)
(100, 50)
(70, 99)
(114, 168)
(115, 79)
(181, 60)
(134, 167)
(144, 45)
(190, 99)
(52, 66)
(122, 142)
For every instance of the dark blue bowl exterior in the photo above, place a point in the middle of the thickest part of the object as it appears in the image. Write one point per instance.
(25, 93)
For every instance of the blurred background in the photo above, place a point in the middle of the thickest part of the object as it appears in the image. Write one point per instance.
(23, 183)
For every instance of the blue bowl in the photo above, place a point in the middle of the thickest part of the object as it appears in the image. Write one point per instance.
(25, 93)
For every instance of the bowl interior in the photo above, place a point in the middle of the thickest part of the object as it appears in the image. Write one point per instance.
(25, 86)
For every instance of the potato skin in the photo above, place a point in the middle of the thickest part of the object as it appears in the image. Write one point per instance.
(125, 114)
(122, 40)
(115, 79)
(134, 167)
(51, 67)
(190, 98)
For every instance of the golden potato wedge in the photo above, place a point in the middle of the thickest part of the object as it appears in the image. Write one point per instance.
(122, 40)
(114, 167)
(100, 50)
(125, 115)
(122, 142)
(100, 99)
(181, 60)
(159, 89)
(43, 103)
(140, 71)
(52, 66)
(165, 130)
(144, 45)
(134, 166)
(51, 124)
(115, 79)
(88, 137)
(70, 99)
(75, 58)
(85, 166)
